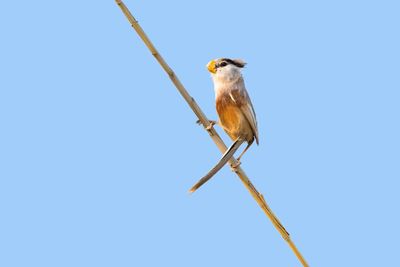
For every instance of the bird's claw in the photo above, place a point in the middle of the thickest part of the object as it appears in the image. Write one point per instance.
(235, 165)
(209, 126)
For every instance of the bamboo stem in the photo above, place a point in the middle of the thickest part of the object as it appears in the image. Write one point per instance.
(213, 134)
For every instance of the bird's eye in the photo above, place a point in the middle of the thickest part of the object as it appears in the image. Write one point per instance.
(223, 64)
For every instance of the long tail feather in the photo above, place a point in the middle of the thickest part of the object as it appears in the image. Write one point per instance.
(225, 158)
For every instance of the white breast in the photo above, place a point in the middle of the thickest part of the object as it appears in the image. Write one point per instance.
(226, 79)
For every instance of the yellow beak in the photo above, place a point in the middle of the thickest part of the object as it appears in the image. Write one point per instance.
(211, 66)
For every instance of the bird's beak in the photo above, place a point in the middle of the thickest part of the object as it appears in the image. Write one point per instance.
(211, 66)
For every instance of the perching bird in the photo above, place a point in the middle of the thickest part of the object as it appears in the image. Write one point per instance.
(235, 111)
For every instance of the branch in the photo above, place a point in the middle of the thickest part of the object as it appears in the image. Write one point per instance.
(213, 134)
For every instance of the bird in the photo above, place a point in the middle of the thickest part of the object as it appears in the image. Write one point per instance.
(235, 110)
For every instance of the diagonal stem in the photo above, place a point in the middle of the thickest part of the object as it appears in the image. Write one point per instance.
(213, 134)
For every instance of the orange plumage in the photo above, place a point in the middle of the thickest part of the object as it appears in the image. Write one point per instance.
(235, 110)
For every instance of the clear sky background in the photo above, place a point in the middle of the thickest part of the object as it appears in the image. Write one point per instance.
(98, 149)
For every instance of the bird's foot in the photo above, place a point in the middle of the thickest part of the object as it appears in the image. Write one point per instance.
(209, 126)
(235, 165)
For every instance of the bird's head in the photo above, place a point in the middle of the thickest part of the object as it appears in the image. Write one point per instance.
(225, 68)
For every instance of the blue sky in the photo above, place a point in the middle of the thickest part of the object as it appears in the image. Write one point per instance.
(98, 149)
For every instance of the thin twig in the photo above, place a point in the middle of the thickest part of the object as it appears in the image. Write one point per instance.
(214, 135)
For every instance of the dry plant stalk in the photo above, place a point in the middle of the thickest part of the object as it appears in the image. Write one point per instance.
(213, 134)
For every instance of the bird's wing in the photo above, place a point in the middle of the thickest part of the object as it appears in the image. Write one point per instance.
(241, 97)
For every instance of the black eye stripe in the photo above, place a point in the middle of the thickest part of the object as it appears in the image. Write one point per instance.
(228, 61)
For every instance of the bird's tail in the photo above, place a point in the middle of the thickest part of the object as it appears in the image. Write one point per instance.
(225, 158)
